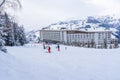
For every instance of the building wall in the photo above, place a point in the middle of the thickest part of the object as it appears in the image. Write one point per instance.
(73, 36)
(50, 35)
(96, 36)
(80, 37)
(64, 36)
(104, 37)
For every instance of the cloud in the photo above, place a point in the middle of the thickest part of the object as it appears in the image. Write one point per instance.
(44, 12)
(109, 6)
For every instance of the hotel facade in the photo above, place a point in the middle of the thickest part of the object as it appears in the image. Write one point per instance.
(77, 37)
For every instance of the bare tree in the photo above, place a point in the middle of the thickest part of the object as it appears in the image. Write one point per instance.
(10, 4)
(2, 2)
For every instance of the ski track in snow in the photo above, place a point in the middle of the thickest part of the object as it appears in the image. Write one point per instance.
(32, 62)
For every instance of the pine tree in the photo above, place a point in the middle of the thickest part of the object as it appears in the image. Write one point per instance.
(8, 34)
(21, 36)
(14, 34)
(8, 29)
(2, 42)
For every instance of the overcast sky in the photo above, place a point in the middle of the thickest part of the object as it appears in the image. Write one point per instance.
(40, 13)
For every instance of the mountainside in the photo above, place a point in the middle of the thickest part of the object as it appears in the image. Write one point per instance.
(89, 24)
(33, 36)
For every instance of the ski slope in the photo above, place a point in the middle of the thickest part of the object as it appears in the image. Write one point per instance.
(32, 62)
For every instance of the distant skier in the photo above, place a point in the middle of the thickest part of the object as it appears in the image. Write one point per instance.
(58, 46)
(65, 48)
(44, 45)
(49, 49)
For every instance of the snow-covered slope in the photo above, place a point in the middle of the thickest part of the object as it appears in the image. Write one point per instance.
(32, 62)
(11, 68)
(33, 36)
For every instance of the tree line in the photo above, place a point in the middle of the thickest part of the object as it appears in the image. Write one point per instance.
(11, 33)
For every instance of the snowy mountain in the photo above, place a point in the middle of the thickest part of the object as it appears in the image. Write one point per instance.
(33, 36)
(89, 24)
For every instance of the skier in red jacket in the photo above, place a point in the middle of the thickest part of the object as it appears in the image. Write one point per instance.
(49, 49)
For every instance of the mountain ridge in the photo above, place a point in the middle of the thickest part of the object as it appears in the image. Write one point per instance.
(91, 23)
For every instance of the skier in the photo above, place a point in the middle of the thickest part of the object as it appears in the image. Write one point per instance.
(65, 48)
(49, 49)
(43, 45)
(58, 46)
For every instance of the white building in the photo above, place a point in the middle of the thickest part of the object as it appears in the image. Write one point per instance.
(76, 36)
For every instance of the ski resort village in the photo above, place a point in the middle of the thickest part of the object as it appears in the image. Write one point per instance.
(59, 40)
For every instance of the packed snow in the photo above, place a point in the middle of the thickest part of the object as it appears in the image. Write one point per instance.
(32, 62)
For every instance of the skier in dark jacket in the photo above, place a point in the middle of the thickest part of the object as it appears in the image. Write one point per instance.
(58, 46)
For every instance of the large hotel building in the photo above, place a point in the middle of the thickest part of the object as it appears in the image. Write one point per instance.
(76, 36)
